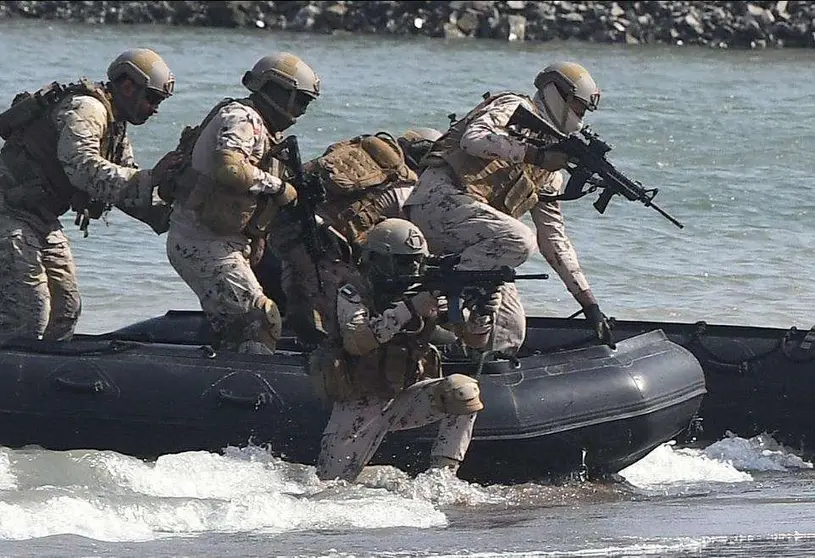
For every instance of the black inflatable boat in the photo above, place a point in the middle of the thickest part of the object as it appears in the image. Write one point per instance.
(759, 379)
(158, 387)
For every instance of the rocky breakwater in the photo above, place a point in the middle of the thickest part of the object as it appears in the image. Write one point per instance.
(715, 24)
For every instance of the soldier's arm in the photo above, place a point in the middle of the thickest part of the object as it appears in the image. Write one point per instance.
(242, 136)
(474, 332)
(486, 135)
(128, 159)
(363, 332)
(82, 127)
(555, 244)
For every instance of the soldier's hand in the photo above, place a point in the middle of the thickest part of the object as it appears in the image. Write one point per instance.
(547, 158)
(286, 195)
(600, 324)
(424, 304)
(161, 170)
(493, 303)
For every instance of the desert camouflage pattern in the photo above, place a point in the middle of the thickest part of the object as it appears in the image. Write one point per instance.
(82, 125)
(355, 319)
(486, 238)
(216, 267)
(356, 429)
(40, 297)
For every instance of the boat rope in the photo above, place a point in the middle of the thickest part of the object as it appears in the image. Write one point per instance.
(70, 349)
(784, 345)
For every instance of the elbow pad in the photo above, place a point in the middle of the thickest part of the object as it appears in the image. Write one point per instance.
(233, 170)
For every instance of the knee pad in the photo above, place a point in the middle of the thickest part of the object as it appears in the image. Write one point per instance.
(521, 244)
(457, 394)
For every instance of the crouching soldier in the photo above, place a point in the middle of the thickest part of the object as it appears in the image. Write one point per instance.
(366, 180)
(379, 368)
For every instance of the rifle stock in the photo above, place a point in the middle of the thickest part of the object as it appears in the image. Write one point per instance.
(588, 163)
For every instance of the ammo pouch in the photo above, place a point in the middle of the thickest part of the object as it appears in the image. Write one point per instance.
(362, 162)
(328, 369)
(521, 196)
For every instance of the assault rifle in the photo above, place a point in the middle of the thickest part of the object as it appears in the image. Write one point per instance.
(587, 163)
(441, 275)
(310, 193)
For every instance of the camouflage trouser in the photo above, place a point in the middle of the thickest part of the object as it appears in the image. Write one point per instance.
(39, 296)
(356, 428)
(455, 223)
(219, 273)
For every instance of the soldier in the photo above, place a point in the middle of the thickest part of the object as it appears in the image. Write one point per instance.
(227, 195)
(480, 181)
(366, 179)
(67, 148)
(380, 370)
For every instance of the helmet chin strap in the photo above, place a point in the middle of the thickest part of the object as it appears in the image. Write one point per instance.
(129, 107)
(282, 118)
(557, 109)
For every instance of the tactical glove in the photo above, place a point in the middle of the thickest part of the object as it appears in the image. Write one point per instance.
(547, 158)
(600, 324)
(424, 304)
(493, 303)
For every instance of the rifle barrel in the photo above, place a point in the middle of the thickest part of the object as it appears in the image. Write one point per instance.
(533, 276)
(668, 217)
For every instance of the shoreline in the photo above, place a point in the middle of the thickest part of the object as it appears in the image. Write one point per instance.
(740, 25)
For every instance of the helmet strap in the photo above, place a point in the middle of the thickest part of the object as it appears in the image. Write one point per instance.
(558, 110)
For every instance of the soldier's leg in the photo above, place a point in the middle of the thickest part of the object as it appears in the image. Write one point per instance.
(219, 273)
(24, 297)
(486, 239)
(456, 223)
(66, 303)
(351, 437)
(357, 428)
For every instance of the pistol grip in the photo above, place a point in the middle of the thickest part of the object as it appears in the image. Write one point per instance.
(454, 312)
(601, 203)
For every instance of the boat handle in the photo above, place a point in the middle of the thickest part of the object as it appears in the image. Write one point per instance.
(245, 401)
(95, 386)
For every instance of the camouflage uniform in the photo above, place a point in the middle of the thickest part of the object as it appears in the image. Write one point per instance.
(350, 212)
(38, 290)
(215, 264)
(356, 429)
(374, 400)
(453, 220)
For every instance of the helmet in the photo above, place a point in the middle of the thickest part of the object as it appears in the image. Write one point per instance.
(284, 85)
(566, 91)
(394, 247)
(416, 143)
(149, 73)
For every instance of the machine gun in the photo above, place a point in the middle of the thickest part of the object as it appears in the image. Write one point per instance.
(441, 275)
(310, 193)
(587, 163)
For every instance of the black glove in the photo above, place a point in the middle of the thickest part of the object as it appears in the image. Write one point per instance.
(548, 158)
(600, 324)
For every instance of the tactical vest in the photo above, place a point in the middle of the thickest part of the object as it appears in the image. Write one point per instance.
(384, 372)
(359, 174)
(31, 151)
(509, 187)
(223, 211)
